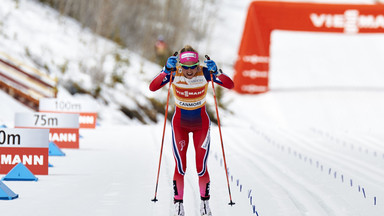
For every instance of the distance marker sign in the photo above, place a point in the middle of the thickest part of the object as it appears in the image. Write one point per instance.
(27, 146)
(88, 114)
(63, 127)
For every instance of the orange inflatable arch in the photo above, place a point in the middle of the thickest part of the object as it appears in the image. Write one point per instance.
(252, 66)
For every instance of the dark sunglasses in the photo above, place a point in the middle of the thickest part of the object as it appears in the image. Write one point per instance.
(186, 67)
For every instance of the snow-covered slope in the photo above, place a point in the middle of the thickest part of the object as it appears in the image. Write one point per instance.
(313, 150)
(39, 37)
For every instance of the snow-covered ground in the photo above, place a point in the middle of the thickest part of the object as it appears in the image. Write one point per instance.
(307, 147)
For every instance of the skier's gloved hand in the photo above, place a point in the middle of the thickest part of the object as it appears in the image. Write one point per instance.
(211, 65)
(218, 73)
(169, 71)
(171, 64)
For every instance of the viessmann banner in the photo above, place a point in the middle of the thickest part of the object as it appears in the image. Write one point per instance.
(27, 146)
(252, 66)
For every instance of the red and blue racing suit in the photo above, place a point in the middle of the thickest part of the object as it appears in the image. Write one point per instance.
(190, 116)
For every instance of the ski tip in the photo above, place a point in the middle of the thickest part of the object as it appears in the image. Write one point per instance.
(231, 203)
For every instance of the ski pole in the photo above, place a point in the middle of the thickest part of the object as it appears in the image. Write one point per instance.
(165, 122)
(221, 137)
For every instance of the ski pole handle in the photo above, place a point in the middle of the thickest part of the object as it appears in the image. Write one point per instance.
(174, 54)
(208, 58)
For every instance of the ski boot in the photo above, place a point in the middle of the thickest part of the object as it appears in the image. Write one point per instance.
(204, 208)
(179, 208)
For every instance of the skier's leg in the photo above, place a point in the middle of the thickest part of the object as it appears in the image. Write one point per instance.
(201, 139)
(180, 141)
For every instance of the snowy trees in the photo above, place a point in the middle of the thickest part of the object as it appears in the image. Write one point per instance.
(137, 23)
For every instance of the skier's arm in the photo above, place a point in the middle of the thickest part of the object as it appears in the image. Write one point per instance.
(164, 76)
(219, 78)
(223, 80)
(159, 81)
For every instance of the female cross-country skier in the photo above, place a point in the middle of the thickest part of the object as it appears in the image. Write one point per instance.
(190, 85)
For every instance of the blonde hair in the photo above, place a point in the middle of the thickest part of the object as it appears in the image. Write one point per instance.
(187, 48)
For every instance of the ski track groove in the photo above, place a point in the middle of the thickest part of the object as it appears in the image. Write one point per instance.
(355, 173)
(362, 178)
(165, 170)
(286, 181)
(358, 169)
(375, 146)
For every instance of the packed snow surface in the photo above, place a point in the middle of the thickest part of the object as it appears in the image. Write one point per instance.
(307, 147)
